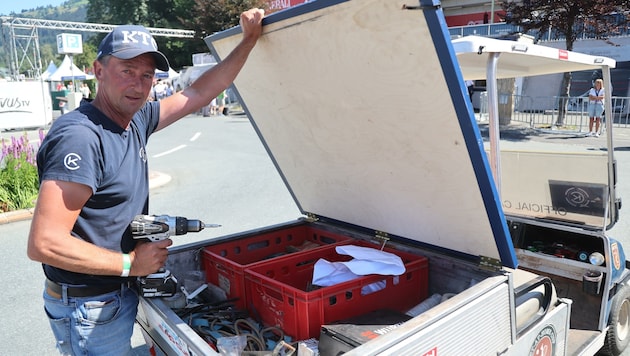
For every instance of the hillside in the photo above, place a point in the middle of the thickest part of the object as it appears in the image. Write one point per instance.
(71, 10)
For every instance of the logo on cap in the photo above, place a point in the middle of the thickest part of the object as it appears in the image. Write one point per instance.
(129, 41)
(139, 37)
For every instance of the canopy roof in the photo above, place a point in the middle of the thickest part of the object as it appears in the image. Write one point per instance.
(50, 70)
(172, 74)
(68, 71)
(520, 59)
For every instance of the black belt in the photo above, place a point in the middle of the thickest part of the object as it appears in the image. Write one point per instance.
(56, 290)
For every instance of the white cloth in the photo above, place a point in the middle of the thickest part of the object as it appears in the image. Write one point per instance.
(366, 261)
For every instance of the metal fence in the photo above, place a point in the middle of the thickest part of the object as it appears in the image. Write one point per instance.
(543, 111)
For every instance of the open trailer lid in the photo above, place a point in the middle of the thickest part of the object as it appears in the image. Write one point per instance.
(361, 106)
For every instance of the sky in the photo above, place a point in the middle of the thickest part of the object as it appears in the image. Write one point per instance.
(6, 6)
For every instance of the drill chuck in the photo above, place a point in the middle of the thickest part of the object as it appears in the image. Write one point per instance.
(184, 226)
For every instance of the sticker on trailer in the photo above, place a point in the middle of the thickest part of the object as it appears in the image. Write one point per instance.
(563, 54)
(614, 249)
(167, 333)
(545, 343)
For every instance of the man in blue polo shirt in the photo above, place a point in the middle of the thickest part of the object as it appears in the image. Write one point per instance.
(94, 180)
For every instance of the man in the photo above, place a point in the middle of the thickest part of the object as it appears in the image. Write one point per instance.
(94, 180)
(160, 90)
(85, 91)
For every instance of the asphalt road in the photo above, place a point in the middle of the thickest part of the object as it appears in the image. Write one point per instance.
(220, 174)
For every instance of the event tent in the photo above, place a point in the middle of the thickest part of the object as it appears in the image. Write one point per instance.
(50, 70)
(172, 74)
(68, 71)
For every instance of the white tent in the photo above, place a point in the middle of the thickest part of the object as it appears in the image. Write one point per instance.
(68, 71)
(50, 70)
(171, 74)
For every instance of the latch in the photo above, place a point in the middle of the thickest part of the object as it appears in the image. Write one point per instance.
(490, 264)
(382, 237)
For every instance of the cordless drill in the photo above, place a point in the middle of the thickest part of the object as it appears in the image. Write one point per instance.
(162, 227)
(157, 228)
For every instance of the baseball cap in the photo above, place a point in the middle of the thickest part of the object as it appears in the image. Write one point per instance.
(130, 41)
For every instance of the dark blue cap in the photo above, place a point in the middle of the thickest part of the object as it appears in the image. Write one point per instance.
(130, 41)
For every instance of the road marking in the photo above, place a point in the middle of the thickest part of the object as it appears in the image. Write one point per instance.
(169, 151)
(195, 136)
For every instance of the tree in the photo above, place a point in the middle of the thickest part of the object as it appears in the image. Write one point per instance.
(217, 15)
(85, 60)
(205, 16)
(166, 14)
(570, 19)
(117, 12)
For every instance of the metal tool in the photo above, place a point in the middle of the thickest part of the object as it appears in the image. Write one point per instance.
(158, 228)
(161, 227)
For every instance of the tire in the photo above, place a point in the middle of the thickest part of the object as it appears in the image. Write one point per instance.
(618, 335)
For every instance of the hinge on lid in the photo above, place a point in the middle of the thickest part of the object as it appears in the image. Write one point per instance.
(382, 236)
(488, 263)
(310, 217)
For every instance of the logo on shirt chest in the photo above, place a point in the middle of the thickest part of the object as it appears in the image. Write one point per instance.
(143, 154)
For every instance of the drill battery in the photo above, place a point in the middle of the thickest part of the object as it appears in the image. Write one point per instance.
(159, 284)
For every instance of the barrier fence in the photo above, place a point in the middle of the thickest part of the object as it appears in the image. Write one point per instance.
(543, 111)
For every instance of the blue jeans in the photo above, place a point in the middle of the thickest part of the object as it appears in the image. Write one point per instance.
(99, 325)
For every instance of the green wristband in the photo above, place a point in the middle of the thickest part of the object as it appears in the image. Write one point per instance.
(126, 265)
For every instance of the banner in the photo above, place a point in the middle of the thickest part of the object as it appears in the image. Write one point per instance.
(24, 105)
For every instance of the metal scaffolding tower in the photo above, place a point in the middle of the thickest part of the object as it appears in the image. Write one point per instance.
(22, 37)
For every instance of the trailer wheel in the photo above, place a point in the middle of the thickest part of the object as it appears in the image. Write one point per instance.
(618, 335)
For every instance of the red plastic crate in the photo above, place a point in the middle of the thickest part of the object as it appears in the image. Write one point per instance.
(225, 263)
(279, 296)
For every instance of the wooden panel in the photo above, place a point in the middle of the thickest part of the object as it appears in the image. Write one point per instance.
(355, 108)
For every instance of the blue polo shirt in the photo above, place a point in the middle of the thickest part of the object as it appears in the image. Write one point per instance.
(84, 146)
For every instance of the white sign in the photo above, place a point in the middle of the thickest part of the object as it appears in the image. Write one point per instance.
(69, 43)
(24, 105)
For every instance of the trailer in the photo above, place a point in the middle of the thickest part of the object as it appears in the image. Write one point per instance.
(363, 110)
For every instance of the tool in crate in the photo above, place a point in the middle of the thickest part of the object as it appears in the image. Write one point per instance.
(158, 228)
(233, 331)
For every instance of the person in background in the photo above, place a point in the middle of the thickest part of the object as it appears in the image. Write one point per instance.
(221, 102)
(213, 106)
(470, 85)
(85, 91)
(159, 90)
(94, 180)
(595, 107)
(63, 104)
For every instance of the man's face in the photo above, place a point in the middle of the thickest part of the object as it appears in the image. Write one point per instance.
(125, 83)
